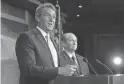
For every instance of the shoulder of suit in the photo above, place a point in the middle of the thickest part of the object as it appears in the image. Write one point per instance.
(28, 33)
(79, 56)
(62, 53)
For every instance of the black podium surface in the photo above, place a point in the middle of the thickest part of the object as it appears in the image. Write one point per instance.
(103, 79)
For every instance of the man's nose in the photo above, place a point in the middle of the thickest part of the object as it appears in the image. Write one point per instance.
(74, 43)
(50, 19)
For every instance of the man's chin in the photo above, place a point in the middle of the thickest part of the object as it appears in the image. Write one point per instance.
(74, 49)
(50, 28)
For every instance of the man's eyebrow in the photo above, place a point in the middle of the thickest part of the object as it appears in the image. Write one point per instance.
(47, 13)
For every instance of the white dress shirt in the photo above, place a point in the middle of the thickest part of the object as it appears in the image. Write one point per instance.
(70, 54)
(51, 46)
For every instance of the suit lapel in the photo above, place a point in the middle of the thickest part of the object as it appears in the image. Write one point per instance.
(56, 48)
(68, 59)
(79, 63)
(55, 45)
(44, 43)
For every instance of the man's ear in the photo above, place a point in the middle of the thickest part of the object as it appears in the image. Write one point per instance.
(37, 17)
(62, 44)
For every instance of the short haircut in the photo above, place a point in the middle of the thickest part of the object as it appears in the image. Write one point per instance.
(40, 8)
(65, 36)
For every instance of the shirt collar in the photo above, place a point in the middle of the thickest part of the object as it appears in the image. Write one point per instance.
(42, 32)
(70, 54)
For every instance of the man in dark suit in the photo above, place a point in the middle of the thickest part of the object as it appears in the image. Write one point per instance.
(68, 55)
(36, 52)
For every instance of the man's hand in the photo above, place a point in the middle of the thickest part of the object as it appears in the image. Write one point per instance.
(67, 70)
(81, 75)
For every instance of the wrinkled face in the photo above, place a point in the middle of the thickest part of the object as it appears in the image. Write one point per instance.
(47, 19)
(71, 43)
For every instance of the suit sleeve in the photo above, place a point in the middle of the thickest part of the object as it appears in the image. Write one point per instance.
(85, 66)
(25, 52)
(87, 73)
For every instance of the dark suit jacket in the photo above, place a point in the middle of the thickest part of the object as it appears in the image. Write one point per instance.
(83, 67)
(35, 59)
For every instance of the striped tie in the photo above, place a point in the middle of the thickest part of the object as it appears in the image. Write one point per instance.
(76, 63)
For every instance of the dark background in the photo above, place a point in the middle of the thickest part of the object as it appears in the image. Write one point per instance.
(99, 29)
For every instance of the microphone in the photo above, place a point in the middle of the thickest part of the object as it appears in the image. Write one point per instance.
(98, 61)
(86, 60)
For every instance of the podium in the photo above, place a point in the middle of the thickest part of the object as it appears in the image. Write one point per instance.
(103, 79)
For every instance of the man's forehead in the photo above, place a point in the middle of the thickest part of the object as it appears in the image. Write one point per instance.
(71, 36)
(48, 10)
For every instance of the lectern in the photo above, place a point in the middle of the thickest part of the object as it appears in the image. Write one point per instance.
(103, 79)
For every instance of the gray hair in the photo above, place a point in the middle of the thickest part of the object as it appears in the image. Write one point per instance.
(65, 36)
(40, 8)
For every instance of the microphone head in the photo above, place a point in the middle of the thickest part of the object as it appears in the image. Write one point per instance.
(85, 59)
(98, 61)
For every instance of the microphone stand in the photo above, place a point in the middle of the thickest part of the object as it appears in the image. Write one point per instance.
(104, 66)
(90, 66)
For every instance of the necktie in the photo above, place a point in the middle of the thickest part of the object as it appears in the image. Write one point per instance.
(76, 63)
(46, 38)
(53, 50)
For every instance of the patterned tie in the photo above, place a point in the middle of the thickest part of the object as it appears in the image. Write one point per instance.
(46, 38)
(53, 50)
(76, 63)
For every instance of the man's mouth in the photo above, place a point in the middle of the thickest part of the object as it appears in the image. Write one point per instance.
(74, 46)
(50, 24)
